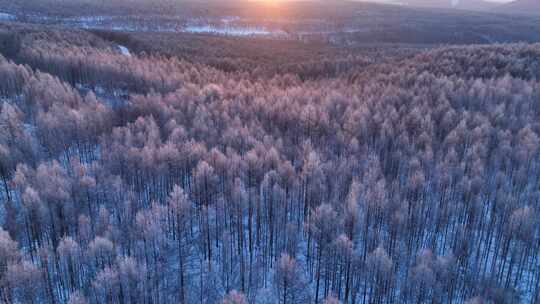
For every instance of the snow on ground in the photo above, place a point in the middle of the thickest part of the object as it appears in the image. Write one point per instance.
(90, 19)
(2, 212)
(224, 26)
(124, 50)
(231, 31)
(230, 19)
(6, 16)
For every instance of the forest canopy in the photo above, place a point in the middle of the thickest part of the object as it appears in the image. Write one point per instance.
(380, 175)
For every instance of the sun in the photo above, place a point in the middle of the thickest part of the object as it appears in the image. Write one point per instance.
(272, 2)
(269, 7)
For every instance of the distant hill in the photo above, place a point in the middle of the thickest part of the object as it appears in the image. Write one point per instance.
(473, 5)
(531, 7)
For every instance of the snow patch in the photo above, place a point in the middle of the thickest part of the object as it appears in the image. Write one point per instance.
(124, 50)
(230, 19)
(29, 129)
(89, 19)
(6, 16)
(231, 31)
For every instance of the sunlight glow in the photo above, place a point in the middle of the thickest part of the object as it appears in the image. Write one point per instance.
(271, 2)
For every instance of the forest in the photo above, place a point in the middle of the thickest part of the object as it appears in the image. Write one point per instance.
(337, 22)
(202, 169)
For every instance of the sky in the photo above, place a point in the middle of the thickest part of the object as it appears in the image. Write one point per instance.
(498, 1)
(450, 1)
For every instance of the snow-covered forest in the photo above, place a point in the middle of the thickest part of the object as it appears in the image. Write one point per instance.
(128, 175)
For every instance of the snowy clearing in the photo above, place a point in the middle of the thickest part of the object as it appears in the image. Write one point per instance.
(6, 16)
(124, 50)
(230, 31)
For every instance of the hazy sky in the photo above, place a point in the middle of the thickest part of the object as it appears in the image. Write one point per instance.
(463, 1)
(500, 1)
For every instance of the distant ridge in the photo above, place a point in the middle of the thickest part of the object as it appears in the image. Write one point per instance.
(473, 5)
(530, 7)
